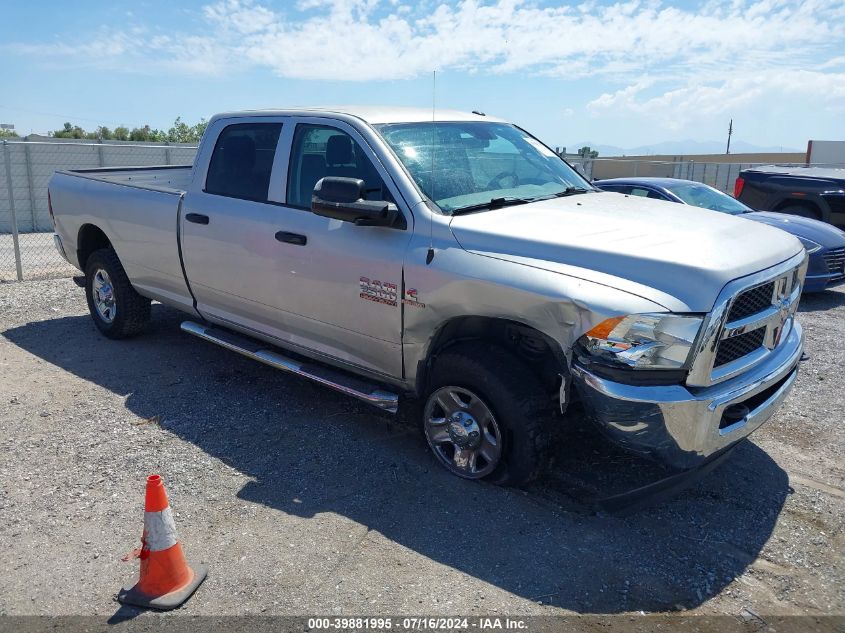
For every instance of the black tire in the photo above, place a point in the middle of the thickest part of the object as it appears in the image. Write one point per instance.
(801, 211)
(132, 311)
(515, 397)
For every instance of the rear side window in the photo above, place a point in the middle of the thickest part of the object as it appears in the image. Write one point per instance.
(242, 161)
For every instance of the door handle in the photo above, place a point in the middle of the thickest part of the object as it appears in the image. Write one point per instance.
(291, 238)
(197, 218)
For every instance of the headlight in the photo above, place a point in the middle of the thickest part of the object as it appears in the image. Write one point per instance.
(643, 341)
(810, 245)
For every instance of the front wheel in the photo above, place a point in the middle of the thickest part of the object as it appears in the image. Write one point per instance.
(487, 416)
(117, 309)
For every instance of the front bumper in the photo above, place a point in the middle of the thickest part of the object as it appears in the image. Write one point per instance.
(820, 276)
(821, 282)
(683, 426)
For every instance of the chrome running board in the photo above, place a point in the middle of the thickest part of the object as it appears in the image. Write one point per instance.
(256, 350)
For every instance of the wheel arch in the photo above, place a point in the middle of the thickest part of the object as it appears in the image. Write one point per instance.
(90, 238)
(543, 354)
(811, 204)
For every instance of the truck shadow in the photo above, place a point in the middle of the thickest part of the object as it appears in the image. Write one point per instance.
(311, 451)
(827, 300)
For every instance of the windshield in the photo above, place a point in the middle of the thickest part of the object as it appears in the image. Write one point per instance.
(466, 165)
(708, 198)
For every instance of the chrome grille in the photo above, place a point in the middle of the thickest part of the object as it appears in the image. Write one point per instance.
(756, 320)
(835, 260)
(733, 348)
(752, 301)
(764, 301)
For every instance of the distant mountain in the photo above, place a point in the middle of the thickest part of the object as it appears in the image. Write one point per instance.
(672, 148)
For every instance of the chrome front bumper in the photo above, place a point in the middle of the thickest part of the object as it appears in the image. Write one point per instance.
(683, 426)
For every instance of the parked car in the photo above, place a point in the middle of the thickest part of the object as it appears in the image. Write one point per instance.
(824, 243)
(809, 192)
(455, 262)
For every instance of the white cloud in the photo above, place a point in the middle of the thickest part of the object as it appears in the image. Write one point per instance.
(676, 108)
(363, 40)
(677, 65)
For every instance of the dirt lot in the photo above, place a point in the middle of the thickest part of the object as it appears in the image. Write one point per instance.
(303, 501)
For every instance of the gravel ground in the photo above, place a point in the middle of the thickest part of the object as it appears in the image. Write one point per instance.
(303, 501)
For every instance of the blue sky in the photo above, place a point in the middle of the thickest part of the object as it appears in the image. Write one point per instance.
(617, 73)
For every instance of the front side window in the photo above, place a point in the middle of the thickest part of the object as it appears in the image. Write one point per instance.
(459, 165)
(242, 161)
(319, 151)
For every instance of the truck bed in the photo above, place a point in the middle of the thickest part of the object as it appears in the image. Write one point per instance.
(138, 210)
(168, 178)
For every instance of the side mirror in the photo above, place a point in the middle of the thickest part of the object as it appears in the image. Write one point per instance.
(343, 199)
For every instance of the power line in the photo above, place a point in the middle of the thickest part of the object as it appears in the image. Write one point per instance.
(63, 116)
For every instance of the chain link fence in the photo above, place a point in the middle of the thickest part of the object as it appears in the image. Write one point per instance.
(718, 175)
(26, 242)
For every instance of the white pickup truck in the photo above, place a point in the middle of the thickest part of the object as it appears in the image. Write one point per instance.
(454, 262)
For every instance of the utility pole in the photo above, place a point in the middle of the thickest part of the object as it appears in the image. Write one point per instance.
(730, 132)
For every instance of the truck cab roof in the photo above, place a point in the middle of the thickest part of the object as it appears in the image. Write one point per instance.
(373, 115)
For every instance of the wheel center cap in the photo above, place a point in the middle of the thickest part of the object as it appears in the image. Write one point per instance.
(464, 430)
(104, 293)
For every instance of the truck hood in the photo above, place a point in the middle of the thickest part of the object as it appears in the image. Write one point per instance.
(675, 255)
(820, 232)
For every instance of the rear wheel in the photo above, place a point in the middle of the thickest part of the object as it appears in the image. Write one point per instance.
(487, 416)
(118, 311)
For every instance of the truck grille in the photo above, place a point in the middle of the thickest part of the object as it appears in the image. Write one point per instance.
(835, 260)
(752, 318)
(765, 309)
(738, 346)
(752, 301)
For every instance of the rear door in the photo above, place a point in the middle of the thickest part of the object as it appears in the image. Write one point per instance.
(228, 244)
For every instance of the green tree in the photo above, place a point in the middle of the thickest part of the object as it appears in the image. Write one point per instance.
(199, 130)
(70, 131)
(587, 152)
(141, 133)
(181, 132)
(8, 134)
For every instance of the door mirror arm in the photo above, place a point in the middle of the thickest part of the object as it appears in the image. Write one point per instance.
(343, 199)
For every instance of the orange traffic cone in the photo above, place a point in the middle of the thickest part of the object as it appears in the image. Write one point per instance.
(166, 580)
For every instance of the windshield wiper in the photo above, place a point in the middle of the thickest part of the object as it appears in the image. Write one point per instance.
(571, 191)
(498, 203)
(494, 203)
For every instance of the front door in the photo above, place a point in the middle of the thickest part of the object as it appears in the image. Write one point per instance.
(345, 281)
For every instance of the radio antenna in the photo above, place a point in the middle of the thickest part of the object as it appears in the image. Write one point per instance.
(430, 255)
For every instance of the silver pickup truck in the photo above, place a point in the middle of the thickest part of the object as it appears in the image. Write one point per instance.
(455, 263)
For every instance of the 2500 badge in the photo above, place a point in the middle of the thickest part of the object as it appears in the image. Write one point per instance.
(378, 291)
(385, 292)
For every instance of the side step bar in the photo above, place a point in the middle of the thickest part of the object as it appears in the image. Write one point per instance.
(331, 378)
